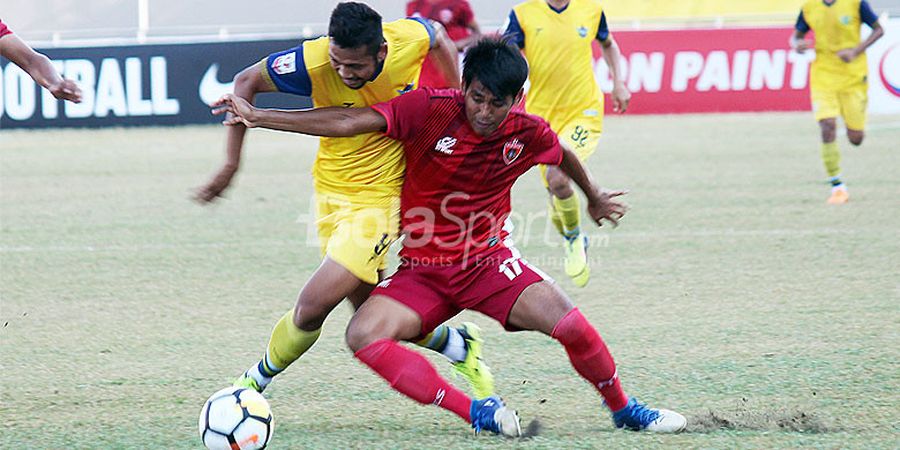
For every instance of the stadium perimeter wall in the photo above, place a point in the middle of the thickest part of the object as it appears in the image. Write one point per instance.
(736, 70)
(669, 9)
(677, 71)
(107, 18)
(136, 85)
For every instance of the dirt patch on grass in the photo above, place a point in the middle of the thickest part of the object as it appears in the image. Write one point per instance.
(744, 416)
(534, 428)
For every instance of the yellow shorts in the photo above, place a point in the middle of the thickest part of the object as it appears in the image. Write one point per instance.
(849, 103)
(357, 234)
(582, 136)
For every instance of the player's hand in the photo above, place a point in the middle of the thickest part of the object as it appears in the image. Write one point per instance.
(237, 110)
(847, 54)
(620, 97)
(802, 45)
(214, 188)
(66, 90)
(603, 205)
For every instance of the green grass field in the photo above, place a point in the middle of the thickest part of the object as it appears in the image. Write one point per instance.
(731, 293)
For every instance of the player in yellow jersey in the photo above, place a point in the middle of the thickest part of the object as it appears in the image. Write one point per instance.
(838, 79)
(556, 37)
(357, 179)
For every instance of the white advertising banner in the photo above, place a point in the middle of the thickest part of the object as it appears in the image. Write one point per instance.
(884, 70)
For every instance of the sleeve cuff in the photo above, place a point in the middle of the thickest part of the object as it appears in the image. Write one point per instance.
(384, 110)
(428, 27)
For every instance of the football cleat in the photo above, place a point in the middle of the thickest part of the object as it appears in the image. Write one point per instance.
(638, 417)
(473, 369)
(839, 196)
(576, 264)
(246, 381)
(492, 415)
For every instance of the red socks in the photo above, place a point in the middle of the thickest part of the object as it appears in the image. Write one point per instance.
(590, 357)
(412, 375)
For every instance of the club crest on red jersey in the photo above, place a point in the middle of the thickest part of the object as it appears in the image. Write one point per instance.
(512, 150)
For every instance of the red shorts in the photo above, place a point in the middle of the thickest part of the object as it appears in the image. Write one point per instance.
(491, 285)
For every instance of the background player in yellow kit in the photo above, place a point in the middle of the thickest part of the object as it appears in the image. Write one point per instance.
(357, 179)
(556, 37)
(838, 79)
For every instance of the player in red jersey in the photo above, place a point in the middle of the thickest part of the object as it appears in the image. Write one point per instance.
(464, 151)
(37, 65)
(458, 19)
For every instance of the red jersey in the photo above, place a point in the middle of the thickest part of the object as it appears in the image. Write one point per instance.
(455, 16)
(456, 192)
(4, 30)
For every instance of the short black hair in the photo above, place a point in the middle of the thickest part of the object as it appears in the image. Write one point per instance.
(355, 25)
(498, 65)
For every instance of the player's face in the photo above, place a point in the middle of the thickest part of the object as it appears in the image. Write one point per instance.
(356, 66)
(485, 111)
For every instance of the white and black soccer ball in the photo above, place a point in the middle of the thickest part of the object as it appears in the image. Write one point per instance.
(236, 418)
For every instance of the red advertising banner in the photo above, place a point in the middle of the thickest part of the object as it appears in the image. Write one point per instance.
(709, 70)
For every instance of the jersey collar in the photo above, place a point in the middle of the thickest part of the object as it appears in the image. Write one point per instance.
(559, 11)
(380, 67)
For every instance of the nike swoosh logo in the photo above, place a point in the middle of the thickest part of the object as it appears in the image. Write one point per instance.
(210, 87)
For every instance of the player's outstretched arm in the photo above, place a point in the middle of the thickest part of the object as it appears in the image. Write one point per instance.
(475, 30)
(330, 122)
(247, 84)
(849, 54)
(39, 67)
(799, 42)
(602, 204)
(444, 54)
(612, 55)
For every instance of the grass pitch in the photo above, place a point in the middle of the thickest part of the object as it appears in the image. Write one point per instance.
(731, 293)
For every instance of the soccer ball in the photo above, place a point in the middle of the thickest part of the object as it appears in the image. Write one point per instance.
(236, 418)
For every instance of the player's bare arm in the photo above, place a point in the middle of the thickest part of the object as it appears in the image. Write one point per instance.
(444, 55)
(465, 42)
(849, 54)
(39, 67)
(612, 55)
(799, 42)
(602, 204)
(247, 84)
(333, 121)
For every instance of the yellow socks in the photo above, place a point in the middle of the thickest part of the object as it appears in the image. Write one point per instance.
(831, 156)
(555, 217)
(446, 341)
(569, 211)
(436, 340)
(287, 344)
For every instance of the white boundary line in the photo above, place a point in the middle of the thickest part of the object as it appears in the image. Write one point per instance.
(720, 233)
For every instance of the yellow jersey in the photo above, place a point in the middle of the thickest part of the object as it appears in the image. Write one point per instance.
(836, 26)
(558, 45)
(367, 167)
